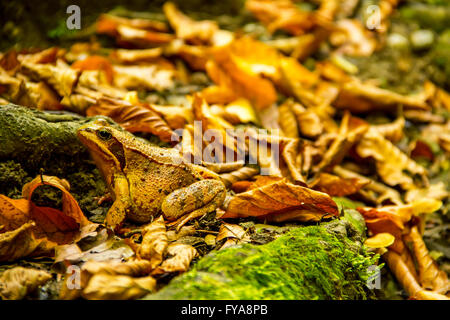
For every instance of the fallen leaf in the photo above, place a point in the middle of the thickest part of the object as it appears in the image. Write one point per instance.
(117, 287)
(181, 257)
(436, 191)
(151, 76)
(21, 243)
(243, 173)
(228, 230)
(356, 96)
(226, 71)
(18, 282)
(391, 163)
(134, 118)
(430, 276)
(282, 201)
(352, 38)
(283, 15)
(336, 186)
(95, 63)
(196, 32)
(407, 280)
(62, 79)
(154, 242)
(380, 240)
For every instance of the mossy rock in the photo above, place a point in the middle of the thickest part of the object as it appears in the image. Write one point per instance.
(34, 141)
(313, 262)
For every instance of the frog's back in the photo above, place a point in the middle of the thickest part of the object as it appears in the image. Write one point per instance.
(153, 173)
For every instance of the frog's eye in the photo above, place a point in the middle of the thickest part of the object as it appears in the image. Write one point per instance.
(104, 135)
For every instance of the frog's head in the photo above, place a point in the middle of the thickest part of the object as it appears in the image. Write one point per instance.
(105, 144)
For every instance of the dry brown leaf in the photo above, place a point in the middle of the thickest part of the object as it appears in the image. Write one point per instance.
(240, 111)
(134, 118)
(149, 76)
(21, 242)
(58, 226)
(196, 32)
(351, 131)
(392, 131)
(309, 122)
(227, 71)
(39, 95)
(175, 116)
(287, 120)
(289, 153)
(228, 230)
(360, 97)
(154, 242)
(431, 278)
(282, 201)
(107, 24)
(62, 79)
(283, 15)
(407, 280)
(352, 38)
(128, 56)
(391, 163)
(95, 63)
(243, 173)
(117, 287)
(224, 167)
(392, 219)
(17, 282)
(134, 268)
(336, 186)
(180, 255)
(436, 191)
(383, 192)
(127, 36)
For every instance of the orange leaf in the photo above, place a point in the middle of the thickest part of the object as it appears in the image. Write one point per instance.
(282, 201)
(133, 118)
(336, 186)
(95, 63)
(227, 71)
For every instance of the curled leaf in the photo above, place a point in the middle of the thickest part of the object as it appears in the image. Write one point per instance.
(391, 163)
(282, 201)
(243, 173)
(154, 242)
(21, 242)
(17, 282)
(430, 276)
(337, 187)
(188, 29)
(134, 118)
(181, 257)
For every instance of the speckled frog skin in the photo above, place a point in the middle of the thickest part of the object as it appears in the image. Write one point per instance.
(145, 180)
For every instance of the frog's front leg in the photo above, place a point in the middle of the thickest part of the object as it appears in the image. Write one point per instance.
(122, 203)
(193, 201)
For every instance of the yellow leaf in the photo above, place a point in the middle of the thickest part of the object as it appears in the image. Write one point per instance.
(380, 240)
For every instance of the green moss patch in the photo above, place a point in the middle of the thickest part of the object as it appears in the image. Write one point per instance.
(313, 262)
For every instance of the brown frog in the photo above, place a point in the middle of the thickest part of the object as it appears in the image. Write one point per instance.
(145, 180)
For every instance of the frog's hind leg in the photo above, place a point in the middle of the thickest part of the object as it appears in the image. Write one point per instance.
(193, 215)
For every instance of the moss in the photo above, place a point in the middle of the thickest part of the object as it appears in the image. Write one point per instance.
(12, 178)
(313, 262)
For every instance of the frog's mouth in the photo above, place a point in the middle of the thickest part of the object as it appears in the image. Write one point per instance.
(88, 137)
